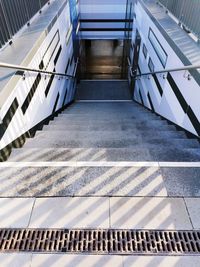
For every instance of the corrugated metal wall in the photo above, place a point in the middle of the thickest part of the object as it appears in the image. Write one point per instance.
(14, 14)
(187, 11)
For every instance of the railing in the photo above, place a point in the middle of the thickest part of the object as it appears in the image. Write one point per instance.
(185, 68)
(22, 68)
(14, 14)
(76, 67)
(187, 12)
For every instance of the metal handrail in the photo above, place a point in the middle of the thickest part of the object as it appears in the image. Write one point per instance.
(23, 68)
(189, 67)
(76, 66)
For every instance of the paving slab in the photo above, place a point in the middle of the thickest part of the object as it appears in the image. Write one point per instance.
(15, 260)
(149, 213)
(71, 212)
(15, 212)
(193, 206)
(75, 261)
(161, 261)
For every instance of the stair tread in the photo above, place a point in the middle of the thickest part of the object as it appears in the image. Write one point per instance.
(95, 154)
(107, 127)
(109, 144)
(80, 154)
(100, 135)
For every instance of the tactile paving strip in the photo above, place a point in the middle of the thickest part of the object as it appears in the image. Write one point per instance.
(107, 241)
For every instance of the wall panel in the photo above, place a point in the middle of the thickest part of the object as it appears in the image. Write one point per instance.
(173, 95)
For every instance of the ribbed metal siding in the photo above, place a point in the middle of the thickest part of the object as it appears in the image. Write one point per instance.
(4, 28)
(187, 11)
(14, 14)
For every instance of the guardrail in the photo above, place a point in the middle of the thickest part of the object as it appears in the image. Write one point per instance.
(15, 14)
(187, 12)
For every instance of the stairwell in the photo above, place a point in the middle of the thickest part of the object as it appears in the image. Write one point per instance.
(105, 162)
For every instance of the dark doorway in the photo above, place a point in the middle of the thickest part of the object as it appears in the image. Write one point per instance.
(101, 59)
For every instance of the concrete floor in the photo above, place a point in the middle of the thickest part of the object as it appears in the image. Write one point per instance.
(102, 59)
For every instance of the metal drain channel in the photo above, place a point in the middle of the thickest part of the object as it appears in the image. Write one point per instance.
(108, 241)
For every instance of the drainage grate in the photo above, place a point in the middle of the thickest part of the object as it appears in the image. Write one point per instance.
(100, 241)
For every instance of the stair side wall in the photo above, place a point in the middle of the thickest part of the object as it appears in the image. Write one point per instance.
(175, 95)
(38, 96)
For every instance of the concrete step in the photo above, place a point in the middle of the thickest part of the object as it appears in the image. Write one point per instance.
(106, 106)
(100, 135)
(141, 135)
(106, 120)
(117, 142)
(80, 154)
(175, 154)
(129, 114)
(112, 119)
(95, 154)
(102, 110)
(107, 127)
(103, 105)
(111, 124)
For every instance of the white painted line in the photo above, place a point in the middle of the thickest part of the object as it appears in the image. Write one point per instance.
(116, 164)
(100, 164)
(102, 101)
(180, 164)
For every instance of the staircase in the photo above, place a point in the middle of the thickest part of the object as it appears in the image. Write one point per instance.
(105, 121)
(105, 162)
